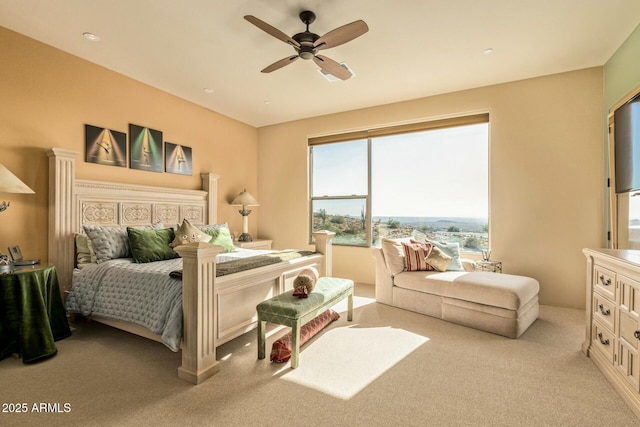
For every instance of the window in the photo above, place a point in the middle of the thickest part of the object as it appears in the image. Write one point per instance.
(421, 179)
(339, 190)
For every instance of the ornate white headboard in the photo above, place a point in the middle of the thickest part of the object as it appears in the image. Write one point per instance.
(74, 203)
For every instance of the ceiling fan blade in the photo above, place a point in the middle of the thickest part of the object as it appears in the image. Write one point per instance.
(281, 63)
(341, 35)
(332, 67)
(271, 30)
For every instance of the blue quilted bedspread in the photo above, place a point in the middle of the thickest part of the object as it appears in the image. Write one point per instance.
(143, 294)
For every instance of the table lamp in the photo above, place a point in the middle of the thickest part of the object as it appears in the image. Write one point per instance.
(9, 183)
(245, 199)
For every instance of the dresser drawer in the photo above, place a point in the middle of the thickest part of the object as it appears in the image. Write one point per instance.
(603, 340)
(628, 328)
(605, 282)
(604, 310)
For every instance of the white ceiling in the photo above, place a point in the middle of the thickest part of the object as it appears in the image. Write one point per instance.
(414, 48)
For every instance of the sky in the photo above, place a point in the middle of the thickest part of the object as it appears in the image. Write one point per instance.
(437, 173)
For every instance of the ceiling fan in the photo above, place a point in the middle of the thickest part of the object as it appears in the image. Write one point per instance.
(307, 44)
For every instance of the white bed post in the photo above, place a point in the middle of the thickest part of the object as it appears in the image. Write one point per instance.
(62, 218)
(325, 247)
(210, 185)
(198, 311)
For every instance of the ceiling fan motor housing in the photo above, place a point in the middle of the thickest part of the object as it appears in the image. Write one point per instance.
(307, 38)
(306, 41)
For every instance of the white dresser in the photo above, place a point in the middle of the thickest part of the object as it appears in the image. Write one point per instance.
(613, 319)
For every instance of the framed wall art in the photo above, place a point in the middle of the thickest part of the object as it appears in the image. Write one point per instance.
(145, 148)
(105, 146)
(177, 158)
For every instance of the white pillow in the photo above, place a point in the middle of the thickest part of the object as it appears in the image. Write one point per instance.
(393, 255)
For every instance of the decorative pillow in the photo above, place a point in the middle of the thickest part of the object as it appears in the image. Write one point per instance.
(111, 242)
(415, 256)
(393, 255)
(220, 236)
(304, 283)
(85, 254)
(281, 349)
(453, 250)
(438, 259)
(151, 245)
(188, 233)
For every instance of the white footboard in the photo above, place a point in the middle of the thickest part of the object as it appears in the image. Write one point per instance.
(219, 309)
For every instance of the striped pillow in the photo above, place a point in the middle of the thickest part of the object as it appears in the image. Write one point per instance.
(415, 255)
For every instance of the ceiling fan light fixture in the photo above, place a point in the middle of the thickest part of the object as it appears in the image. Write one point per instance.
(331, 78)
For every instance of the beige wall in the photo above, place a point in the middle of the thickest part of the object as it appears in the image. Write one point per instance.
(546, 175)
(47, 98)
(622, 71)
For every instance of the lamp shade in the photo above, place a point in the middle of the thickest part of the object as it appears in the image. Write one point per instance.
(245, 199)
(9, 183)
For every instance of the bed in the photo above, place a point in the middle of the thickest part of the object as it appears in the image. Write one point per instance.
(215, 308)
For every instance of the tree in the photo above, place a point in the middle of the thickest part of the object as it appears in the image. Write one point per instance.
(337, 219)
(363, 218)
(472, 243)
(453, 229)
(322, 213)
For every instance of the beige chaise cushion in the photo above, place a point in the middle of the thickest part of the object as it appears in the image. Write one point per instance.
(497, 290)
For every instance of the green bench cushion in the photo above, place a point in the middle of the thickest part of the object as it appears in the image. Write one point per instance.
(286, 306)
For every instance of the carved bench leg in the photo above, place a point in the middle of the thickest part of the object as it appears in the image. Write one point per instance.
(262, 326)
(295, 345)
(350, 310)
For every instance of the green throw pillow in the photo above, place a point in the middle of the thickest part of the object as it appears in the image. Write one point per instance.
(151, 245)
(220, 236)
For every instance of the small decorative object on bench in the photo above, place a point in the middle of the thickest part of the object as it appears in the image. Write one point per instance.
(285, 309)
(305, 282)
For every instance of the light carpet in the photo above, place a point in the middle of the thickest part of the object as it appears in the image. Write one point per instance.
(386, 367)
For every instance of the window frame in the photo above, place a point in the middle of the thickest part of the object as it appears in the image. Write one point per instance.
(369, 135)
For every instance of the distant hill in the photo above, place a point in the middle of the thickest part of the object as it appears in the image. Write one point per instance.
(476, 225)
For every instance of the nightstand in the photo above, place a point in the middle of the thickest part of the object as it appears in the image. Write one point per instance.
(33, 316)
(492, 266)
(255, 244)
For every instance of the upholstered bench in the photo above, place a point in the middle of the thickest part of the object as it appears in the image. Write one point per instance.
(285, 309)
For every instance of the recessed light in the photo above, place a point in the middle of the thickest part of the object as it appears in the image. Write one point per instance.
(91, 36)
(488, 50)
(267, 102)
(208, 90)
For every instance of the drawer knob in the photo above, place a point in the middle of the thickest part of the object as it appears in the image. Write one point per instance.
(603, 311)
(605, 282)
(605, 341)
(637, 334)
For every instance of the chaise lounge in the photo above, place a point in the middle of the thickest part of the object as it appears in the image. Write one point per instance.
(502, 304)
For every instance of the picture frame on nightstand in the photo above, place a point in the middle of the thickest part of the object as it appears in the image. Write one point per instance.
(15, 253)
